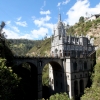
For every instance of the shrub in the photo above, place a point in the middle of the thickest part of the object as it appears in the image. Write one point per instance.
(8, 82)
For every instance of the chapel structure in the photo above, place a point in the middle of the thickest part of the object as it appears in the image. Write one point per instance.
(78, 56)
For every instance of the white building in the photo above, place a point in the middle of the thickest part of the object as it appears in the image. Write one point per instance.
(78, 55)
(93, 17)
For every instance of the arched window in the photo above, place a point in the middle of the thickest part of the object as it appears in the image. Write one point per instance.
(81, 86)
(81, 65)
(85, 65)
(56, 50)
(75, 88)
(74, 66)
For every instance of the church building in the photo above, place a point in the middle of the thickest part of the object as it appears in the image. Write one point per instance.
(78, 56)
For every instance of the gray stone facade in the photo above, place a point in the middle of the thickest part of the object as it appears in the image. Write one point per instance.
(78, 57)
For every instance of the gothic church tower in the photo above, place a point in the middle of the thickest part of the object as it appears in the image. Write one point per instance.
(58, 38)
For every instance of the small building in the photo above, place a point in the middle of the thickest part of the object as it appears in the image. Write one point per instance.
(93, 17)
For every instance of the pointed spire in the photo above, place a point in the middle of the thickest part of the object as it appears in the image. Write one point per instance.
(59, 17)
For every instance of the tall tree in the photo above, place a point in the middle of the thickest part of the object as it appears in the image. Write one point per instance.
(81, 19)
(1, 29)
(9, 82)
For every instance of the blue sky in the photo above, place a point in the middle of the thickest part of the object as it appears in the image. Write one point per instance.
(31, 19)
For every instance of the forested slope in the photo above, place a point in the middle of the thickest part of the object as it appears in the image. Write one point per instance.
(22, 46)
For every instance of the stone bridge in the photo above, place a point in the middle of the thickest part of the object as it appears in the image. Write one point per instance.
(34, 71)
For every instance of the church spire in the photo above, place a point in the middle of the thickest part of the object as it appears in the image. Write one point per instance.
(59, 17)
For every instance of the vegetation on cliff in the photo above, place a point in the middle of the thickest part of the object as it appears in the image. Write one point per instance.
(9, 82)
(93, 93)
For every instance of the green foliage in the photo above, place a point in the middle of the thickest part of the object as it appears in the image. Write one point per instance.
(93, 93)
(21, 46)
(8, 82)
(98, 53)
(60, 96)
(45, 76)
(83, 27)
(71, 30)
(42, 48)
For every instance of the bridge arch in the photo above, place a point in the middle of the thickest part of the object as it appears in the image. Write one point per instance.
(55, 76)
(29, 79)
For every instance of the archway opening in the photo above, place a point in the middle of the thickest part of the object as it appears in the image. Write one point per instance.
(45, 82)
(52, 79)
(27, 89)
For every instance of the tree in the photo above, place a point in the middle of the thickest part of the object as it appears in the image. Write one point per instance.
(93, 93)
(8, 82)
(81, 19)
(60, 96)
(1, 29)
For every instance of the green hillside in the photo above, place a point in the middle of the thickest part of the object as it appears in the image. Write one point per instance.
(91, 28)
(41, 49)
(21, 46)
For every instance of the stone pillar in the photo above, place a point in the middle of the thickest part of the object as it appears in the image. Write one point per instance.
(39, 80)
(39, 86)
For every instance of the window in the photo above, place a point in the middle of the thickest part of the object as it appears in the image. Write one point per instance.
(80, 75)
(76, 88)
(59, 37)
(81, 65)
(75, 66)
(81, 83)
(85, 65)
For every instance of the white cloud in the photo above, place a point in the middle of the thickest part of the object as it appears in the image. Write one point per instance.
(15, 35)
(10, 26)
(98, 6)
(65, 2)
(19, 18)
(79, 9)
(59, 3)
(11, 34)
(44, 4)
(27, 36)
(45, 12)
(41, 32)
(42, 20)
(24, 24)
(15, 29)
